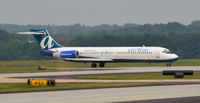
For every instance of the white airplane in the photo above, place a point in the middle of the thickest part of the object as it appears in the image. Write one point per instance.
(101, 55)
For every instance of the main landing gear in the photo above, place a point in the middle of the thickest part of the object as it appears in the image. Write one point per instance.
(101, 64)
(94, 65)
(169, 64)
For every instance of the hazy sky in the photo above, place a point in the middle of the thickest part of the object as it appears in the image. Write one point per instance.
(95, 12)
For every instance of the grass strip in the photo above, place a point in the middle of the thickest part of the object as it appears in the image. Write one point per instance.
(61, 63)
(24, 87)
(53, 65)
(144, 76)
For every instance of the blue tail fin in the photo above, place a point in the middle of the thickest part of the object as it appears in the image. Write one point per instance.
(45, 40)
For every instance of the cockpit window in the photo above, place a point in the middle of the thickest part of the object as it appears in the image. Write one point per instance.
(166, 51)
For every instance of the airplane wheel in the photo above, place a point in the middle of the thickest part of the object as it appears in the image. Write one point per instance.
(94, 65)
(101, 64)
(169, 64)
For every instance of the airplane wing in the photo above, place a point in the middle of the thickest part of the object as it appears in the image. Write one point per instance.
(88, 60)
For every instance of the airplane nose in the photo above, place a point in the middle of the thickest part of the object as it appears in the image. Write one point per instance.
(176, 56)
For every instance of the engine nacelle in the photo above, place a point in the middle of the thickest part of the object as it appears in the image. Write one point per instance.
(69, 54)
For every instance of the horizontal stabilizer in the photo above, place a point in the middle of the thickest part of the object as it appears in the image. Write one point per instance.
(31, 33)
(88, 60)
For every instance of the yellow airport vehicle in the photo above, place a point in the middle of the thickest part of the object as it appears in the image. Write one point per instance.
(39, 82)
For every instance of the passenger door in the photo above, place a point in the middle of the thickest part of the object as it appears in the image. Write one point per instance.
(157, 54)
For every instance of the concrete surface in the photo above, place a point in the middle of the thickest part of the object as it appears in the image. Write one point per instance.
(104, 95)
(110, 71)
(63, 77)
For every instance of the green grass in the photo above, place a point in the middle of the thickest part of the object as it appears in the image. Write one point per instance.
(149, 76)
(25, 87)
(61, 63)
(187, 62)
(35, 63)
(53, 65)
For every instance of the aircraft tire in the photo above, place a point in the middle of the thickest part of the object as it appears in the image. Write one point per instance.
(93, 65)
(101, 64)
(169, 64)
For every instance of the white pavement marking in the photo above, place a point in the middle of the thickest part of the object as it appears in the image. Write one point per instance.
(104, 95)
(115, 70)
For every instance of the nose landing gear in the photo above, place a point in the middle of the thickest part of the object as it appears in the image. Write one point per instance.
(101, 64)
(169, 64)
(93, 65)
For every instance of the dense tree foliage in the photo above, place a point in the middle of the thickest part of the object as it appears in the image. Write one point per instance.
(15, 47)
(181, 39)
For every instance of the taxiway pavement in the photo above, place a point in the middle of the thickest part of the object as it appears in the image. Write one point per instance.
(104, 95)
(66, 77)
(104, 71)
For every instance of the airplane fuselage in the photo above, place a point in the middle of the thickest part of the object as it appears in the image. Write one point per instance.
(120, 54)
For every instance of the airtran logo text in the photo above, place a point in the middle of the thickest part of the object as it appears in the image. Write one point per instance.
(48, 44)
(138, 50)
